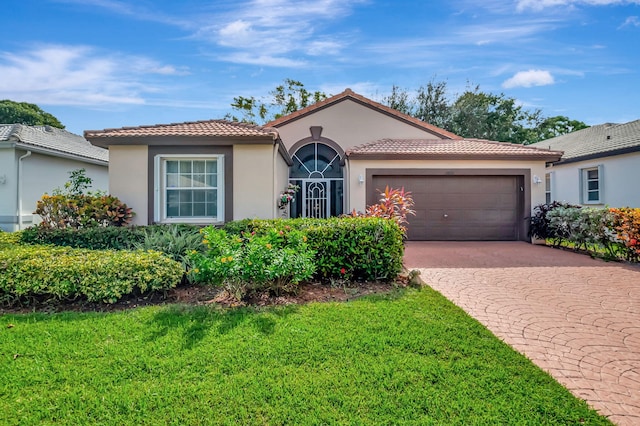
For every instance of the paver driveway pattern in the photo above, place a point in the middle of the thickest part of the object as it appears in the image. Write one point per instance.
(575, 317)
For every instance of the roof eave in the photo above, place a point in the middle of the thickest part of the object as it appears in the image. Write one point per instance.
(59, 154)
(604, 154)
(417, 156)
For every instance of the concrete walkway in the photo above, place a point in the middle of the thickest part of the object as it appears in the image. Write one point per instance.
(575, 317)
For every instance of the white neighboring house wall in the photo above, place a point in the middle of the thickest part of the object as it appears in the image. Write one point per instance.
(618, 181)
(40, 174)
(35, 160)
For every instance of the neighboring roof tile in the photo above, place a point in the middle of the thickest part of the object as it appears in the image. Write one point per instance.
(349, 94)
(599, 140)
(209, 128)
(53, 139)
(476, 148)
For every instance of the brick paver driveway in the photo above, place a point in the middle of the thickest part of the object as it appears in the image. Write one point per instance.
(577, 318)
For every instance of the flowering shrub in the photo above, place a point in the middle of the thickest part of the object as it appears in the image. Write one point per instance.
(287, 196)
(64, 273)
(626, 224)
(275, 260)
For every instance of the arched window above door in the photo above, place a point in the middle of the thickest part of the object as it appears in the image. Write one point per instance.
(316, 161)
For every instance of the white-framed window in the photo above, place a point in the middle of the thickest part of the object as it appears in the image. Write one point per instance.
(548, 198)
(591, 185)
(189, 188)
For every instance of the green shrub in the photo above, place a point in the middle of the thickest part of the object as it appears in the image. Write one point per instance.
(116, 238)
(275, 260)
(539, 226)
(353, 248)
(63, 273)
(176, 241)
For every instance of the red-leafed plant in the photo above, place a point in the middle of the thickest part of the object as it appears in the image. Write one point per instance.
(395, 204)
(626, 224)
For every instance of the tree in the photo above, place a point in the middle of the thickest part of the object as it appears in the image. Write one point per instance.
(25, 113)
(478, 114)
(285, 99)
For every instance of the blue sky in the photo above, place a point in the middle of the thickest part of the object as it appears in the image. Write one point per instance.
(110, 63)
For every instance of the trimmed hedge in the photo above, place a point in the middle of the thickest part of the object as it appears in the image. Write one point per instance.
(360, 248)
(64, 273)
(95, 238)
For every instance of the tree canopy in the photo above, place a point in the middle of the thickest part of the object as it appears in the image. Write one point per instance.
(478, 114)
(285, 99)
(473, 114)
(12, 112)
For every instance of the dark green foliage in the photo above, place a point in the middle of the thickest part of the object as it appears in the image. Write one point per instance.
(346, 248)
(540, 223)
(102, 238)
(25, 113)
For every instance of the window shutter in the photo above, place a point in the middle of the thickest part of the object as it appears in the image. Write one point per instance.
(581, 186)
(601, 182)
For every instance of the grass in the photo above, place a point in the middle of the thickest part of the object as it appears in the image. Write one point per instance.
(410, 357)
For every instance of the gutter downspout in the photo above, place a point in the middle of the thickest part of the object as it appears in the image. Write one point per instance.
(28, 154)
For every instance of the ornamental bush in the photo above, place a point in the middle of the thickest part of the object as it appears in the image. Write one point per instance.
(30, 272)
(276, 260)
(626, 225)
(351, 248)
(96, 238)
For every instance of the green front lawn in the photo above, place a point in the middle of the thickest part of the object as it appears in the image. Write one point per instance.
(407, 358)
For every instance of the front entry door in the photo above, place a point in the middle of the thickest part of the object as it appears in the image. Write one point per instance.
(315, 198)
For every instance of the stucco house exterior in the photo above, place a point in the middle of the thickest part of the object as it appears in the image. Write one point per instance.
(599, 166)
(341, 152)
(38, 159)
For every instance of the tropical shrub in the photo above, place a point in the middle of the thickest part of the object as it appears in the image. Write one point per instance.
(539, 226)
(71, 207)
(395, 204)
(626, 225)
(276, 260)
(176, 241)
(64, 273)
(360, 248)
(585, 228)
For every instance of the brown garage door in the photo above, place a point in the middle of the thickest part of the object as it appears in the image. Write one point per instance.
(460, 208)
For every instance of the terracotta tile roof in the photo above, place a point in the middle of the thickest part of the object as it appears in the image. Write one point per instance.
(349, 94)
(450, 148)
(596, 141)
(53, 140)
(209, 128)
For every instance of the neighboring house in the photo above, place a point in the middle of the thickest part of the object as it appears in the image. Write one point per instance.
(38, 159)
(599, 167)
(341, 152)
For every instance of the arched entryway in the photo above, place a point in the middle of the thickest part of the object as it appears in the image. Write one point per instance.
(317, 169)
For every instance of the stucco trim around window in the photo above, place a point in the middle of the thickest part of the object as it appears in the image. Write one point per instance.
(189, 188)
(191, 151)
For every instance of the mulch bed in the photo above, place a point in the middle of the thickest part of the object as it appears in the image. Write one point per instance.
(209, 295)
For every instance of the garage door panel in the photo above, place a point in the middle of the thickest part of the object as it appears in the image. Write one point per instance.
(460, 207)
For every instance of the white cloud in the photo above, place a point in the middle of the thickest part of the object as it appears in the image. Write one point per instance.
(528, 79)
(633, 21)
(538, 5)
(77, 75)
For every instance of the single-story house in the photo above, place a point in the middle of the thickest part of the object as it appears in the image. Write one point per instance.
(38, 159)
(599, 166)
(341, 152)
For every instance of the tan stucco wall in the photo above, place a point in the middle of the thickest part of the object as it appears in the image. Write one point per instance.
(620, 180)
(282, 180)
(253, 181)
(358, 192)
(128, 178)
(349, 124)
